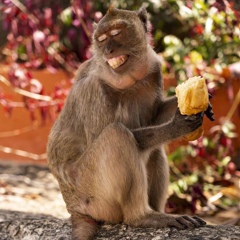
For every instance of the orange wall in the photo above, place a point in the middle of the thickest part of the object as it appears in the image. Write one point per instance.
(35, 140)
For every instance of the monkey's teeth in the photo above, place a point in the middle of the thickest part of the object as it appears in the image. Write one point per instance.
(117, 61)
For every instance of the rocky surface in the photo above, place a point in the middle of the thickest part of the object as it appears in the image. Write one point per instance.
(27, 226)
(32, 208)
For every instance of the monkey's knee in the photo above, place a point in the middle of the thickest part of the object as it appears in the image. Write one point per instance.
(119, 136)
(117, 130)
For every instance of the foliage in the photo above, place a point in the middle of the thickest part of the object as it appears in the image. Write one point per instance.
(211, 44)
(43, 34)
(46, 33)
(202, 164)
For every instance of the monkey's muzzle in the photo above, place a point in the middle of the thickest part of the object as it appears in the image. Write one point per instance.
(117, 61)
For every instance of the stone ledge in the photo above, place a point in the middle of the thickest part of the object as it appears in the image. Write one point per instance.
(26, 226)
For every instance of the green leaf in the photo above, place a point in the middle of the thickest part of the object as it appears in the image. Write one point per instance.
(66, 16)
(225, 161)
(171, 40)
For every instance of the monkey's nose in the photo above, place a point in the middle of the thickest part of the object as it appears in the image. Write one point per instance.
(109, 50)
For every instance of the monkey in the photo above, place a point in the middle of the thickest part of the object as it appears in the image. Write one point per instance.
(106, 148)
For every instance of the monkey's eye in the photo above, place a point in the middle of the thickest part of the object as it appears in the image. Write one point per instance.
(115, 32)
(102, 37)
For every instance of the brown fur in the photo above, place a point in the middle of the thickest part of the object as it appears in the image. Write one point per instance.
(106, 147)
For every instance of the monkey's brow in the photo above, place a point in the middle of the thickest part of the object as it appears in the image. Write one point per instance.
(105, 27)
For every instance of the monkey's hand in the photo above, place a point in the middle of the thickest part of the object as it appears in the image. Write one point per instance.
(184, 124)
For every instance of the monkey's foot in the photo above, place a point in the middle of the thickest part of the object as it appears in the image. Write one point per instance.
(158, 220)
(183, 222)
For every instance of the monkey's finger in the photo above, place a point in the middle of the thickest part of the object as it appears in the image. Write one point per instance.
(210, 116)
(197, 122)
(201, 221)
(193, 221)
(201, 114)
(209, 112)
(178, 111)
(209, 106)
(185, 220)
(174, 223)
(193, 117)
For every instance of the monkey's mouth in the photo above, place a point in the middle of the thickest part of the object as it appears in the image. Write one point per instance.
(117, 61)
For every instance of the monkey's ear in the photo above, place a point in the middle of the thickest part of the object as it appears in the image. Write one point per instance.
(94, 25)
(111, 9)
(143, 15)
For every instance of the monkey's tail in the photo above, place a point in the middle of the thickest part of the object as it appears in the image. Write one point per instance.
(84, 227)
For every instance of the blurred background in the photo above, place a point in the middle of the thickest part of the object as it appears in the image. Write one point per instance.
(42, 44)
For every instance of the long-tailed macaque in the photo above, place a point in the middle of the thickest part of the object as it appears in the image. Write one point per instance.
(106, 147)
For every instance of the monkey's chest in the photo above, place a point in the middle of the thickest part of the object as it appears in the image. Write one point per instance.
(134, 114)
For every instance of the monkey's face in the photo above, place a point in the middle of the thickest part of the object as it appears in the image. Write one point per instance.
(120, 41)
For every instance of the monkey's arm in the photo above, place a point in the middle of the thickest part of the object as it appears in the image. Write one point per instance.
(178, 126)
(166, 109)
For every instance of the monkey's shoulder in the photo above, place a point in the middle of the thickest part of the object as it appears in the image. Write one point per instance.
(83, 70)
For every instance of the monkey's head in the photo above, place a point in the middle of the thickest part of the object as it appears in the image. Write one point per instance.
(120, 41)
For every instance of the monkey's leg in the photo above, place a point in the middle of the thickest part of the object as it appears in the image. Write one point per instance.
(111, 180)
(158, 179)
(112, 183)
